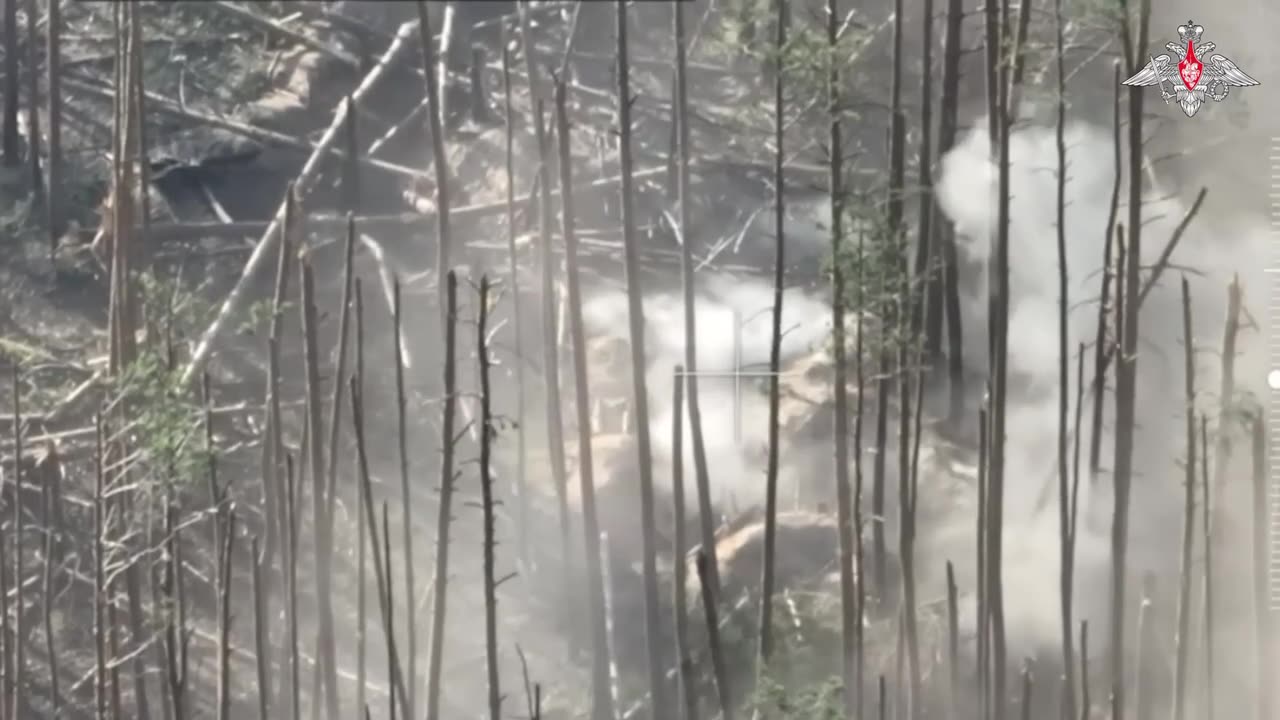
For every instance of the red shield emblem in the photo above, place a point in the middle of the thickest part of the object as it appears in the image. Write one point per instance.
(1190, 69)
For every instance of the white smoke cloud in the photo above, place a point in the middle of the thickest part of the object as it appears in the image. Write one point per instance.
(1207, 255)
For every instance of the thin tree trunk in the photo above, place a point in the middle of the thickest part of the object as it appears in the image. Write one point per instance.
(261, 657)
(947, 130)
(362, 571)
(517, 327)
(381, 567)
(688, 680)
(445, 517)
(435, 124)
(1263, 604)
(712, 620)
(1126, 367)
(1148, 658)
(33, 104)
(406, 507)
(884, 384)
(224, 617)
(1183, 637)
(1206, 512)
(849, 560)
(860, 370)
(706, 516)
(953, 646)
(1086, 704)
(11, 139)
(1101, 347)
(53, 166)
(998, 321)
(486, 494)
(775, 349)
(99, 580)
(601, 700)
(640, 400)
(326, 658)
(547, 301)
(1066, 519)
(18, 639)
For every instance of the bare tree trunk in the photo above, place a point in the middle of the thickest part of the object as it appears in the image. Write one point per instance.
(601, 700)
(924, 312)
(1264, 636)
(1226, 393)
(1188, 514)
(706, 516)
(291, 545)
(326, 657)
(435, 123)
(916, 289)
(947, 130)
(1206, 512)
(18, 639)
(486, 494)
(849, 559)
(1066, 516)
(362, 570)
(688, 680)
(11, 139)
(983, 620)
(381, 566)
(547, 303)
(1126, 367)
(953, 646)
(860, 370)
(712, 620)
(998, 321)
(1148, 658)
(1086, 704)
(1101, 348)
(33, 104)
(443, 520)
(53, 166)
(893, 306)
(517, 326)
(99, 581)
(775, 349)
(640, 400)
(224, 616)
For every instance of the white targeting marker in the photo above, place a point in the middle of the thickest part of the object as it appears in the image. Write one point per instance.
(1273, 379)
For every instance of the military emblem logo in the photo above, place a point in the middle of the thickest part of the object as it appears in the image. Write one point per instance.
(1192, 79)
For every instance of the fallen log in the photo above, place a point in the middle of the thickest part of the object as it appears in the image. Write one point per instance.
(270, 137)
(233, 305)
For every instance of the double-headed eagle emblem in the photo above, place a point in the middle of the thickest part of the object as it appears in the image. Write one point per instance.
(1192, 79)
